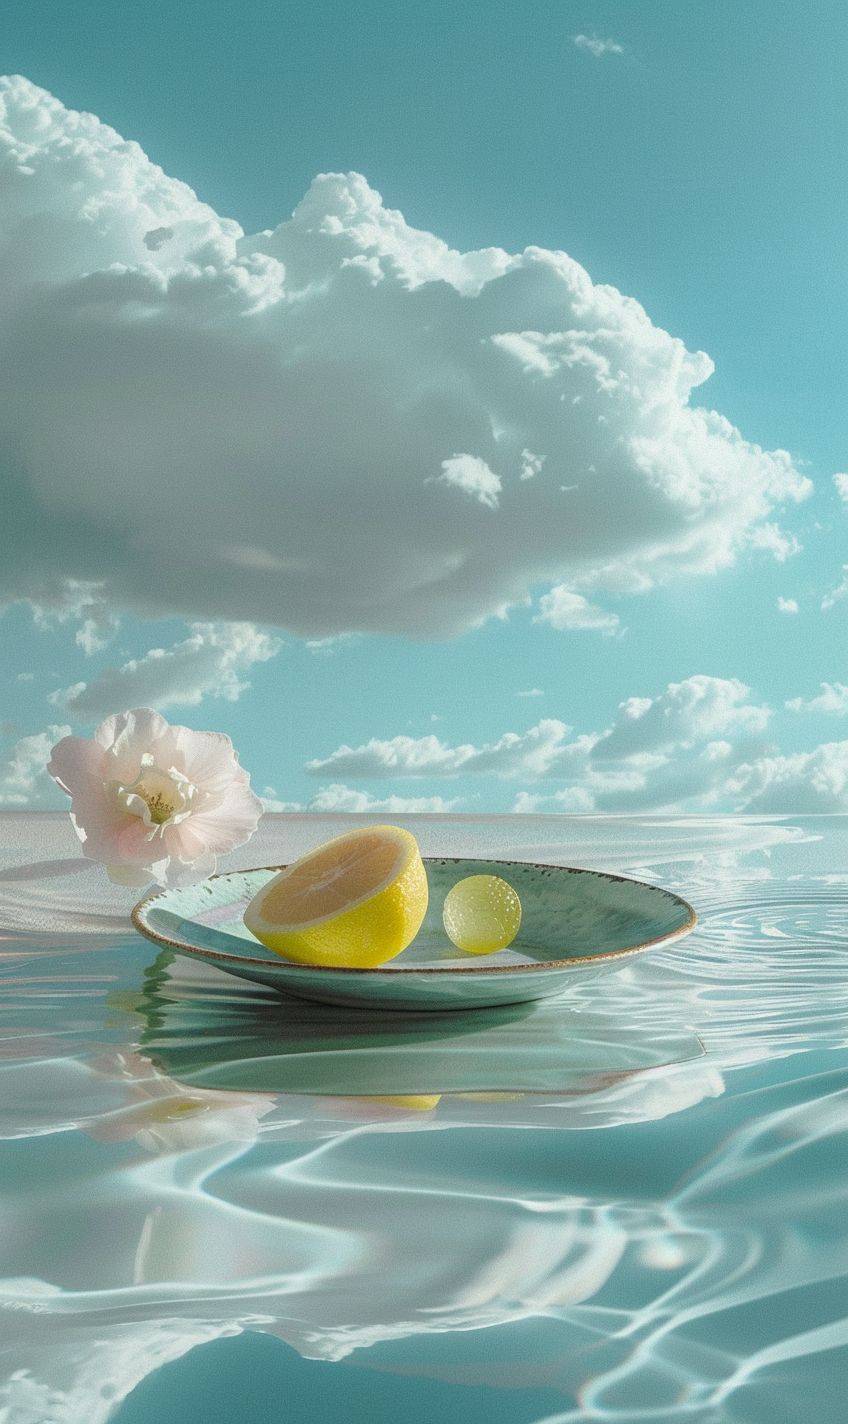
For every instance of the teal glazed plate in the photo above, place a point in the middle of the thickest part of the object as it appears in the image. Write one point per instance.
(575, 925)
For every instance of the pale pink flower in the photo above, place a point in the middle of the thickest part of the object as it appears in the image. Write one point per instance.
(155, 802)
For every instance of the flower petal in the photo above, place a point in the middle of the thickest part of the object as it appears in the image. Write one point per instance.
(75, 763)
(141, 723)
(209, 760)
(220, 828)
(133, 842)
(98, 819)
(134, 876)
(127, 736)
(182, 872)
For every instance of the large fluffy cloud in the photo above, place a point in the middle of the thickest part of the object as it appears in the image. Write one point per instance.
(340, 424)
(211, 661)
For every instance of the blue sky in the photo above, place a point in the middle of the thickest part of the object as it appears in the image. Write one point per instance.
(698, 168)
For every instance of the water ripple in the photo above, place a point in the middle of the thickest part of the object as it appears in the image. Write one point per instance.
(667, 1222)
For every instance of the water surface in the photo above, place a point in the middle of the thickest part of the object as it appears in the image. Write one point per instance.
(628, 1204)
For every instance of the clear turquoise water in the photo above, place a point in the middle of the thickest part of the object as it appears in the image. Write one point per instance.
(649, 1226)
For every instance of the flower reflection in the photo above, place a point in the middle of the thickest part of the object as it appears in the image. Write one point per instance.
(163, 1116)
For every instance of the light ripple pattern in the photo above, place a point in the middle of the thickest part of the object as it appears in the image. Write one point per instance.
(643, 1220)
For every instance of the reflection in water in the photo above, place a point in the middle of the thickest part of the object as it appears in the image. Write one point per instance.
(661, 1225)
(210, 1029)
(162, 1117)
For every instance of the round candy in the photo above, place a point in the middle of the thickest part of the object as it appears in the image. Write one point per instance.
(481, 914)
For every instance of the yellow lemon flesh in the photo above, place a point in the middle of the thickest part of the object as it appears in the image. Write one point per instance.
(482, 914)
(351, 904)
(415, 1102)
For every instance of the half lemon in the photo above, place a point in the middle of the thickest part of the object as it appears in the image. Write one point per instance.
(353, 903)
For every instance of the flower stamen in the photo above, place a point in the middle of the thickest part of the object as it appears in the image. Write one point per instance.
(159, 798)
(160, 809)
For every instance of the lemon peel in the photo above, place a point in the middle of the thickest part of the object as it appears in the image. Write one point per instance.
(353, 903)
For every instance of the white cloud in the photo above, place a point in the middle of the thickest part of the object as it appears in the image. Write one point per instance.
(838, 593)
(564, 609)
(23, 771)
(473, 476)
(531, 692)
(775, 541)
(94, 634)
(344, 798)
(787, 605)
(698, 709)
(272, 802)
(669, 756)
(252, 428)
(841, 482)
(659, 783)
(210, 662)
(597, 47)
(530, 753)
(698, 745)
(801, 783)
(530, 464)
(659, 751)
(77, 600)
(813, 782)
(574, 800)
(326, 647)
(832, 699)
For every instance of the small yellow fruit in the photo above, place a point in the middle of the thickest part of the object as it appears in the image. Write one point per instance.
(353, 903)
(482, 914)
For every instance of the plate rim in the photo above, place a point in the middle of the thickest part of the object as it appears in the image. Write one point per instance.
(139, 908)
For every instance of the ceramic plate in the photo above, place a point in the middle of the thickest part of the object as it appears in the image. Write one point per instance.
(576, 924)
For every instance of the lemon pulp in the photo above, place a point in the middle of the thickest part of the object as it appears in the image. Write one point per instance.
(352, 903)
(482, 914)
